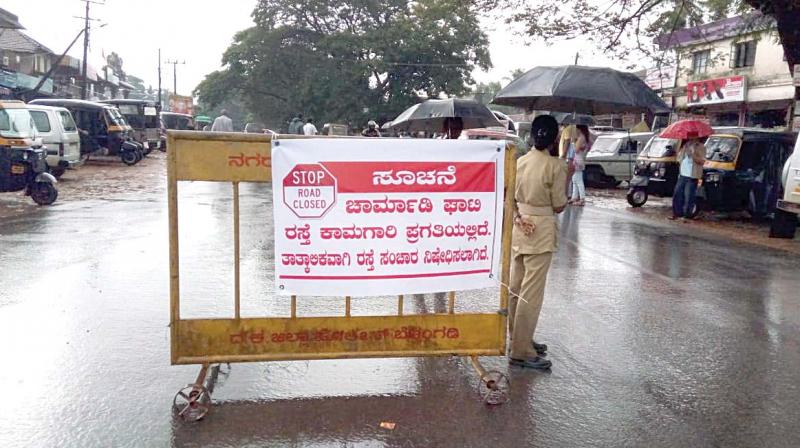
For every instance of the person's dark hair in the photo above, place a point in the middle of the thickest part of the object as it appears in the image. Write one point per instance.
(300, 116)
(544, 131)
(310, 120)
(585, 131)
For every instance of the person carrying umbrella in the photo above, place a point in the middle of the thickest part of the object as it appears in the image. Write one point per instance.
(539, 196)
(691, 156)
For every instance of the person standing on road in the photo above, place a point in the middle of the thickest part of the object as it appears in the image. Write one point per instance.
(581, 145)
(296, 125)
(223, 123)
(539, 196)
(309, 128)
(691, 156)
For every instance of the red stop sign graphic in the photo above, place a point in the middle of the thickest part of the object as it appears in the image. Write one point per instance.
(309, 190)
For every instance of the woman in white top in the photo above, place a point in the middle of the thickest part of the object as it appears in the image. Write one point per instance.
(581, 144)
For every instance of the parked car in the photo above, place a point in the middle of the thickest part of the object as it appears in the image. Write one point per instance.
(254, 128)
(784, 224)
(60, 137)
(612, 158)
(334, 129)
(743, 170)
(491, 134)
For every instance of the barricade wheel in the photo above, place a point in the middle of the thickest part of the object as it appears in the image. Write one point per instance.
(192, 403)
(493, 387)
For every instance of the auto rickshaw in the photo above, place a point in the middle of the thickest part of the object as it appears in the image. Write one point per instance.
(102, 128)
(743, 169)
(142, 116)
(22, 166)
(656, 171)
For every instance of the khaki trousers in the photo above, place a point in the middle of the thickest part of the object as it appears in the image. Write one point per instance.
(528, 279)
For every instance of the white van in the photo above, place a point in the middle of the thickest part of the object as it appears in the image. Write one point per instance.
(784, 224)
(612, 159)
(59, 135)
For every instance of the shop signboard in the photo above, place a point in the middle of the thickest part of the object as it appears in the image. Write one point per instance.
(730, 89)
(181, 104)
(658, 78)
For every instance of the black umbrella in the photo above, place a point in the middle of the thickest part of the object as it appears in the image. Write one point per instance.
(583, 90)
(430, 115)
(568, 118)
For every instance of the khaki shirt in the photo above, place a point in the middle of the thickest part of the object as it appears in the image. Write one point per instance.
(541, 183)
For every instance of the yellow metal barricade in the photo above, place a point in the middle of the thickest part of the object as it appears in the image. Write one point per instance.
(236, 158)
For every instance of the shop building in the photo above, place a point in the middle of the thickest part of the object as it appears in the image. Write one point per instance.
(731, 72)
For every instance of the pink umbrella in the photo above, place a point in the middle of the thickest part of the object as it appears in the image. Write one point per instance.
(684, 129)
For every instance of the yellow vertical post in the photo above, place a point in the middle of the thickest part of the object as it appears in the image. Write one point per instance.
(174, 280)
(294, 307)
(451, 302)
(236, 249)
(347, 306)
(508, 226)
(400, 305)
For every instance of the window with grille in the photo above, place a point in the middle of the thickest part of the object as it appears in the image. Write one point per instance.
(744, 54)
(700, 61)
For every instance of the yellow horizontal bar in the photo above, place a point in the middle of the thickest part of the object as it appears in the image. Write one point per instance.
(270, 339)
(221, 156)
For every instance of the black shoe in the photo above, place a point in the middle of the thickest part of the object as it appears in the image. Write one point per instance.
(531, 363)
(541, 349)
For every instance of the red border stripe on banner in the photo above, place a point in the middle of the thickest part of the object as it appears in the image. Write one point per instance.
(413, 177)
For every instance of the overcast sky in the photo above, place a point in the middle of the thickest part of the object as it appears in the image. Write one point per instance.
(199, 31)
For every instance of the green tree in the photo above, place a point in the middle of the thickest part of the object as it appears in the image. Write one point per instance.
(348, 61)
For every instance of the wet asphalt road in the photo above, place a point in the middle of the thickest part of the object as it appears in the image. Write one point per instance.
(658, 339)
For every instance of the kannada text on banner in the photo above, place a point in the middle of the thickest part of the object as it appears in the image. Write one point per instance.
(386, 216)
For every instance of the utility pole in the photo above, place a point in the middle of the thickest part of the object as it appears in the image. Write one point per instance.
(86, 20)
(577, 55)
(175, 63)
(160, 104)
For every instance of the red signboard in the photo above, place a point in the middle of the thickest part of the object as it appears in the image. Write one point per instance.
(713, 91)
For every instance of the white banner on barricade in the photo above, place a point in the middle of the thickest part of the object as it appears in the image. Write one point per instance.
(364, 217)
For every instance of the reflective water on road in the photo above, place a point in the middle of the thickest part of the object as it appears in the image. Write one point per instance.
(658, 338)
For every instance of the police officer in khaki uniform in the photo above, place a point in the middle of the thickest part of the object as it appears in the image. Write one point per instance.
(540, 195)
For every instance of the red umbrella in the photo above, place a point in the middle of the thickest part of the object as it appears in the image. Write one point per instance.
(684, 129)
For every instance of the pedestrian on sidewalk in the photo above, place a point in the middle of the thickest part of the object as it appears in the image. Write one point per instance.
(309, 128)
(223, 123)
(539, 196)
(692, 156)
(581, 145)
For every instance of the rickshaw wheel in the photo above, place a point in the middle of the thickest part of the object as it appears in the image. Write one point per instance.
(493, 387)
(44, 193)
(129, 158)
(637, 197)
(192, 403)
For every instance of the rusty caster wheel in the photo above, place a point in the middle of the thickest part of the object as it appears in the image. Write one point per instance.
(192, 403)
(493, 387)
